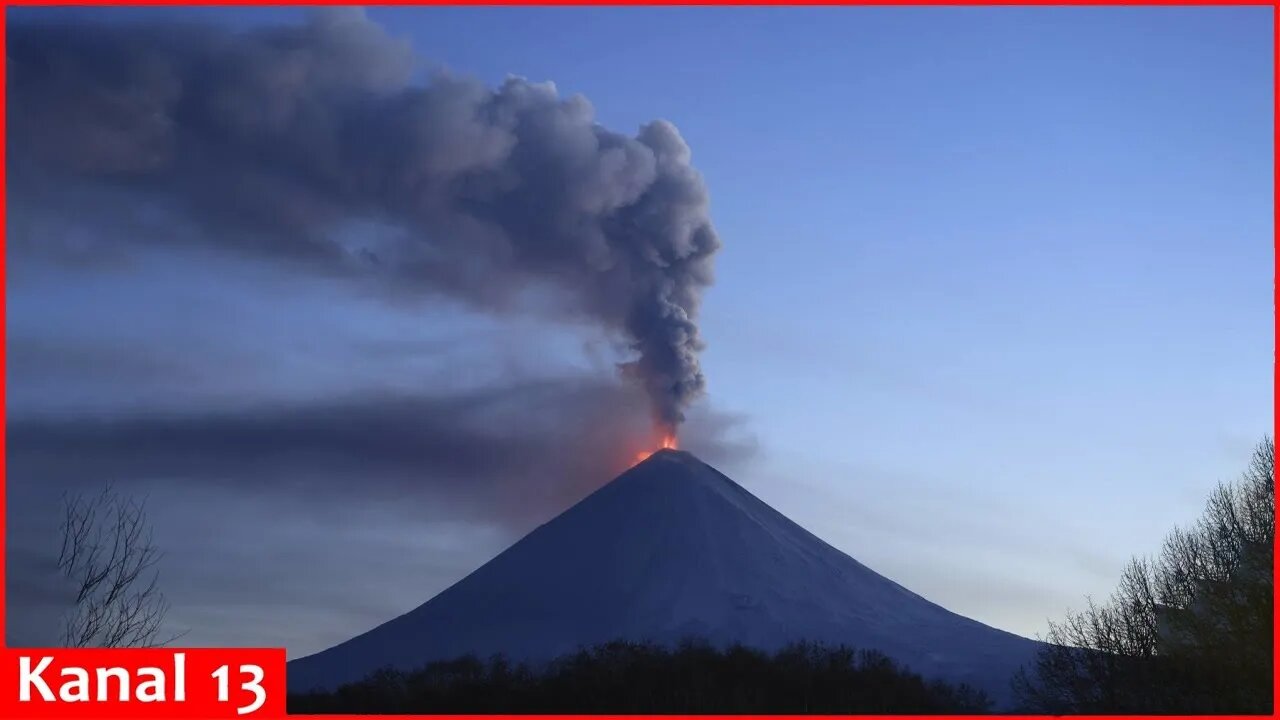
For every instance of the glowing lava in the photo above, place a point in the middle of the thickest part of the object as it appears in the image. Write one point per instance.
(668, 442)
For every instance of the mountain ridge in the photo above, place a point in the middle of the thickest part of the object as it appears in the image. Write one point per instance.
(669, 549)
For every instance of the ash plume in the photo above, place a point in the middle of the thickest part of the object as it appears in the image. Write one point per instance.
(316, 146)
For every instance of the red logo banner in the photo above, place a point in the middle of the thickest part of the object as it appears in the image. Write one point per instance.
(138, 683)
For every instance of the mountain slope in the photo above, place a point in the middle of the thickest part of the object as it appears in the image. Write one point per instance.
(672, 548)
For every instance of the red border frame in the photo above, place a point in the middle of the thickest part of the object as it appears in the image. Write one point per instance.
(1275, 4)
(681, 3)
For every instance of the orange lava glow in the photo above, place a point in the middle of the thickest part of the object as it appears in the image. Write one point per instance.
(668, 442)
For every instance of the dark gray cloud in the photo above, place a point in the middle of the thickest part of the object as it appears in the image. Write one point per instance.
(282, 490)
(314, 146)
(503, 453)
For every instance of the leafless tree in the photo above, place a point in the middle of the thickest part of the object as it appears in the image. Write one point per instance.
(108, 553)
(1188, 631)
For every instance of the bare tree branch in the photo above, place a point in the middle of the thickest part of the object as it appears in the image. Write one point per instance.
(108, 552)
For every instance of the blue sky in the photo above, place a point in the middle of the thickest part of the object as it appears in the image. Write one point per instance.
(994, 301)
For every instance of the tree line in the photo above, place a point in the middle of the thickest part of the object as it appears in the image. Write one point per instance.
(626, 677)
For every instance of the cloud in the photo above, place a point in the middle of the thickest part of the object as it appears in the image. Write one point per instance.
(497, 452)
(298, 444)
(311, 146)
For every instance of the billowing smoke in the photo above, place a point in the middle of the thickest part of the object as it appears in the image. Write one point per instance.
(315, 145)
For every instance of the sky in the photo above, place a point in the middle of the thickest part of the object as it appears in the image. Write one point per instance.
(992, 312)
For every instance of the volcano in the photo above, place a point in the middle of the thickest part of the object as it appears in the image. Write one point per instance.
(672, 549)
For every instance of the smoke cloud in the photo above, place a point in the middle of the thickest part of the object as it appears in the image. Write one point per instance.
(316, 146)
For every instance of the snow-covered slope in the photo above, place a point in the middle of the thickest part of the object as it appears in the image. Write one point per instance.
(672, 548)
